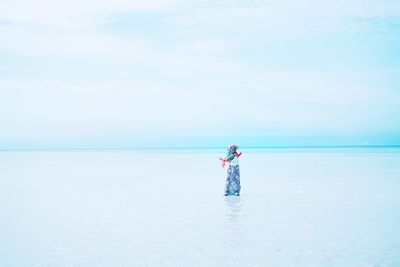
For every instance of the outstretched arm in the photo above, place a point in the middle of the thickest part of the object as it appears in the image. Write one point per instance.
(223, 161)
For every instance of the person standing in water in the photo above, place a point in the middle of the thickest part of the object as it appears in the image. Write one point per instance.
(232, 186)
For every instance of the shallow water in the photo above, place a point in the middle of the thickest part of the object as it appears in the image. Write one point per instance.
(304, 207)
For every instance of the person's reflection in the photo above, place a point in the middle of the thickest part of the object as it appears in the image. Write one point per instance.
(233, 210)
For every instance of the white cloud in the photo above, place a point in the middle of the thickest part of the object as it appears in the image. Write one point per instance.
(288, 103)
(288, 18)
(206, 48)
(30, 42)
(114, 50)
(48, 108)
(75, 13)
(275, 16)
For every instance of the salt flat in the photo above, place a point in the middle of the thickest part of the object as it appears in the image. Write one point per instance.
(299, 207)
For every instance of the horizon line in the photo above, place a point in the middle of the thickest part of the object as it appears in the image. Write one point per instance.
(194, 148)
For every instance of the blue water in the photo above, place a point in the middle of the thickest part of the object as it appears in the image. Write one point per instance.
(299, 207)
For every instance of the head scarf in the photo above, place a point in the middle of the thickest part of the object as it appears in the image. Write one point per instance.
(231, 152)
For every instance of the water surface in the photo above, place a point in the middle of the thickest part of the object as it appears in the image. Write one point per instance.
(299, 207)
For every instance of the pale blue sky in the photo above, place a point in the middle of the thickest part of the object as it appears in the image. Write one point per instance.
(199, 73)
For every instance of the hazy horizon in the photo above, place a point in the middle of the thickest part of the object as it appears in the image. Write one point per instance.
(390, 140)
(220, 149)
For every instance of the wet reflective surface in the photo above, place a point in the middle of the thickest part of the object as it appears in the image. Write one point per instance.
(297, 208)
